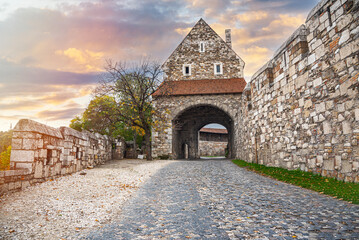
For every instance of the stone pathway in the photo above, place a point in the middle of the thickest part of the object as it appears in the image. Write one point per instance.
(217, 200)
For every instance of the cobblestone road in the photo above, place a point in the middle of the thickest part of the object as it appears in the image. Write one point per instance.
(218, 200)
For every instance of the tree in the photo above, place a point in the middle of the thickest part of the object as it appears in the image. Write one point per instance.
(130, 87)
(100, 116)
(5, 159)
(5, 140)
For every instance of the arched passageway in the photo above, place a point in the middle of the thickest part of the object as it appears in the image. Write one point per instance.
(186, 126)
(213, 141)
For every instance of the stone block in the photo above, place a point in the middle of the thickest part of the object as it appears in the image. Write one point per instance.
(27, 166)
(328, 164)
(346, 127)
(327, 128)
(343, 21)
(346, 167)
(22, 156)
(356, 114)
(345, 36)
(29, 144)
(40, 143)
(38, 170)
(320, 107)
(311, 59)
(11, 186)
(329, 105)
(16, 143)
(317, 82)
(17, 184)
(58, 169)
(25, 184)
(345, 51)
(43, 153)
(308, 104)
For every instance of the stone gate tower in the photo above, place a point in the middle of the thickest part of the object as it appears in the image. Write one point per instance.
(206, 80)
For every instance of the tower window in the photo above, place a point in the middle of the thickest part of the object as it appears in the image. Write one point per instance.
(218, 68)
(187, 70)
(201, 47)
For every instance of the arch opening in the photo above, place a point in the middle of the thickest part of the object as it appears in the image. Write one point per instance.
(213, 141)
(186, 130)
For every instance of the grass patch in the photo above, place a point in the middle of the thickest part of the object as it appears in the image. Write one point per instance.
(329, 186)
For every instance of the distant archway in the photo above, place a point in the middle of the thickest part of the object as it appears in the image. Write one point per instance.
(187, 124)
(213, 141)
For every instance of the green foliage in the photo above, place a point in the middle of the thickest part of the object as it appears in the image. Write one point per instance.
(5, 159)
(5, 140)
(330, 186)
(101, 116)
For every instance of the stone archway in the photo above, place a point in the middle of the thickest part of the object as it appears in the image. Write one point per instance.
(189, 121)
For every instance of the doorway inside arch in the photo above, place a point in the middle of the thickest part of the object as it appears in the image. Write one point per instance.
(213, 141)
(188, 124)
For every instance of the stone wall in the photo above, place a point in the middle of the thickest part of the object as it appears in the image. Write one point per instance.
(212, 148)
(40, 152)
(301, 109)
(176, 105)
(202, 63)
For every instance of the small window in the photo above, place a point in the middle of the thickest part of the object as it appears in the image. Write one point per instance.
(201, 47)
(187, 70)
(218, 68)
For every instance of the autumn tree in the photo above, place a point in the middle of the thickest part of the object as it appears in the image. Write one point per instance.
(122, 102)
(131, 87)
(101, 116)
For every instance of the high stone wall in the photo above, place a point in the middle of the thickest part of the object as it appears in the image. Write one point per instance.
(40, 152)
(301, 110)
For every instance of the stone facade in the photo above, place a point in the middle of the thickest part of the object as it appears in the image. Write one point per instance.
(209, 58)
(301, 108)
(228, 104)
(202, 63)
(40, 152)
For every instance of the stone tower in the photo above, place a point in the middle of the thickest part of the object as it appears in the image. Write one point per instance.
(206, 78)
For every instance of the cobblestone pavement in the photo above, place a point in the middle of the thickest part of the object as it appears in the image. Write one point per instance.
(217, 200)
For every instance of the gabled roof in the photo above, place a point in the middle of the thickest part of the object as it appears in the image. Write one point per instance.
(201, 87)
(209, 27)
(214, 130)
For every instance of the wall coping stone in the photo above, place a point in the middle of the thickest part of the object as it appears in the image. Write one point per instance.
(72, 132)
(27, 125)
(315, 9)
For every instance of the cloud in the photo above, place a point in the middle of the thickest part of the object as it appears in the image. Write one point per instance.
(252, 16)
(255, 58)
(63, 114)
(20, 105)
(285, 21)
(83, 60)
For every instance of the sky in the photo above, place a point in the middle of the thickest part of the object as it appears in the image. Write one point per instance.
(53, 52)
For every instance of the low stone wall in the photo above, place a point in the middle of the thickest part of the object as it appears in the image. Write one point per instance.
(212, 148)
(301, 110)
(40, 153)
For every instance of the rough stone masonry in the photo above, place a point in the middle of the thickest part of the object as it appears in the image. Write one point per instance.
(41, 153)
(300, 110)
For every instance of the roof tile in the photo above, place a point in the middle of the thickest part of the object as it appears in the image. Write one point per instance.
(198, 87)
